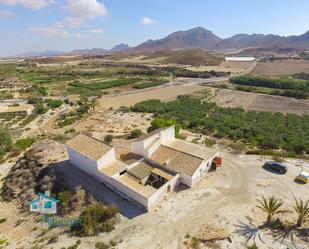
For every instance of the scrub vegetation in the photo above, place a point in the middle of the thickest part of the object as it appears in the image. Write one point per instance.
(285, 86)
(263, 130)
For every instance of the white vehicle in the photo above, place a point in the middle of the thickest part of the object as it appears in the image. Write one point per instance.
(303, 177)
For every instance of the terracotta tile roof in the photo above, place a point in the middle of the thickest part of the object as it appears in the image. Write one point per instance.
(88, 146)
(176, 160)
(191, 148)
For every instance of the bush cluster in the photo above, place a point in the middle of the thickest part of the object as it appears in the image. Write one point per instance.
(264, 130)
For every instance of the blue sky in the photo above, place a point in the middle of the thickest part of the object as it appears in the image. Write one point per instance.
(37, 25)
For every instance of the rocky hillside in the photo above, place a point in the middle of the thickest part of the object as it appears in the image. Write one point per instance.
(191, 39)
(36, 172)
(200, 38)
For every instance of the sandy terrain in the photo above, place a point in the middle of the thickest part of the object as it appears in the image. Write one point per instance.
(224, 199)
(165, 93)
(261, 102)
(286, 67)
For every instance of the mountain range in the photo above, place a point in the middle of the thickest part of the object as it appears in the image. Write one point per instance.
(200, 38)
(197, 38)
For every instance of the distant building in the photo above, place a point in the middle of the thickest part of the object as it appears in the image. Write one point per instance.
(240, 59)
(164, 163)
(14, 111)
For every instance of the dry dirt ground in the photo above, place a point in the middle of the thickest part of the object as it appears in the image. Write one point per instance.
(285, 67)
(260, 102)
(163, 93)
(224, 199)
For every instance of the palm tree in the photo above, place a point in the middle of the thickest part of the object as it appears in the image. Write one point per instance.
(302, 210)
(271, 207)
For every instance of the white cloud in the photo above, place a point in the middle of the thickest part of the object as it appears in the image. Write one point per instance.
(148, 21)
(78, 35)
(33, 4)
(96, 31)
(5, 13)
(86, 8)
(73, 22)
(55, 30)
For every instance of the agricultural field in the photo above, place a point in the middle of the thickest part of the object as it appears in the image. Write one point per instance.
(285, 67)
(286, 134)
(260, 102)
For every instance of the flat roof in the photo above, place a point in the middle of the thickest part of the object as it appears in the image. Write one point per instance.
(145, 191)
(113, 168)
(88, 146)
(191, 148)
(162, 173)
(141, 170)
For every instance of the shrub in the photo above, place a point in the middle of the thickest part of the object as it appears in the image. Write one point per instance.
(40, 109)
(136, 133)
(101, 245)
(95, 219)
(209, 143)
(6, 143)
(254, 246)
(24, 143)
(108, 139)
(54, 103)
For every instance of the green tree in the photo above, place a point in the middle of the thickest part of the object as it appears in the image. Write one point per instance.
(271, 207)
(54, 103)
(302, 210)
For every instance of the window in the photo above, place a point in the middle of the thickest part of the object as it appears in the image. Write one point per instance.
(47, 204)
(34, 206)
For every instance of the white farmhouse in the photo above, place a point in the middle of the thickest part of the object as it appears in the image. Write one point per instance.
(164, 163)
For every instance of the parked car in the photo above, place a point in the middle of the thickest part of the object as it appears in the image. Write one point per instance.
(275, 166)
(303, 177)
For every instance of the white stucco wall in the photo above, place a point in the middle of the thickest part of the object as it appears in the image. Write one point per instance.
(203, 168)
(138, 148)
(186, 180)
(152, 148)
(83, 162)
(167, 135)
(160, 194)
(107, 158)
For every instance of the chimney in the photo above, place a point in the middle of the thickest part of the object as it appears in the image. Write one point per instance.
(47, 193)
